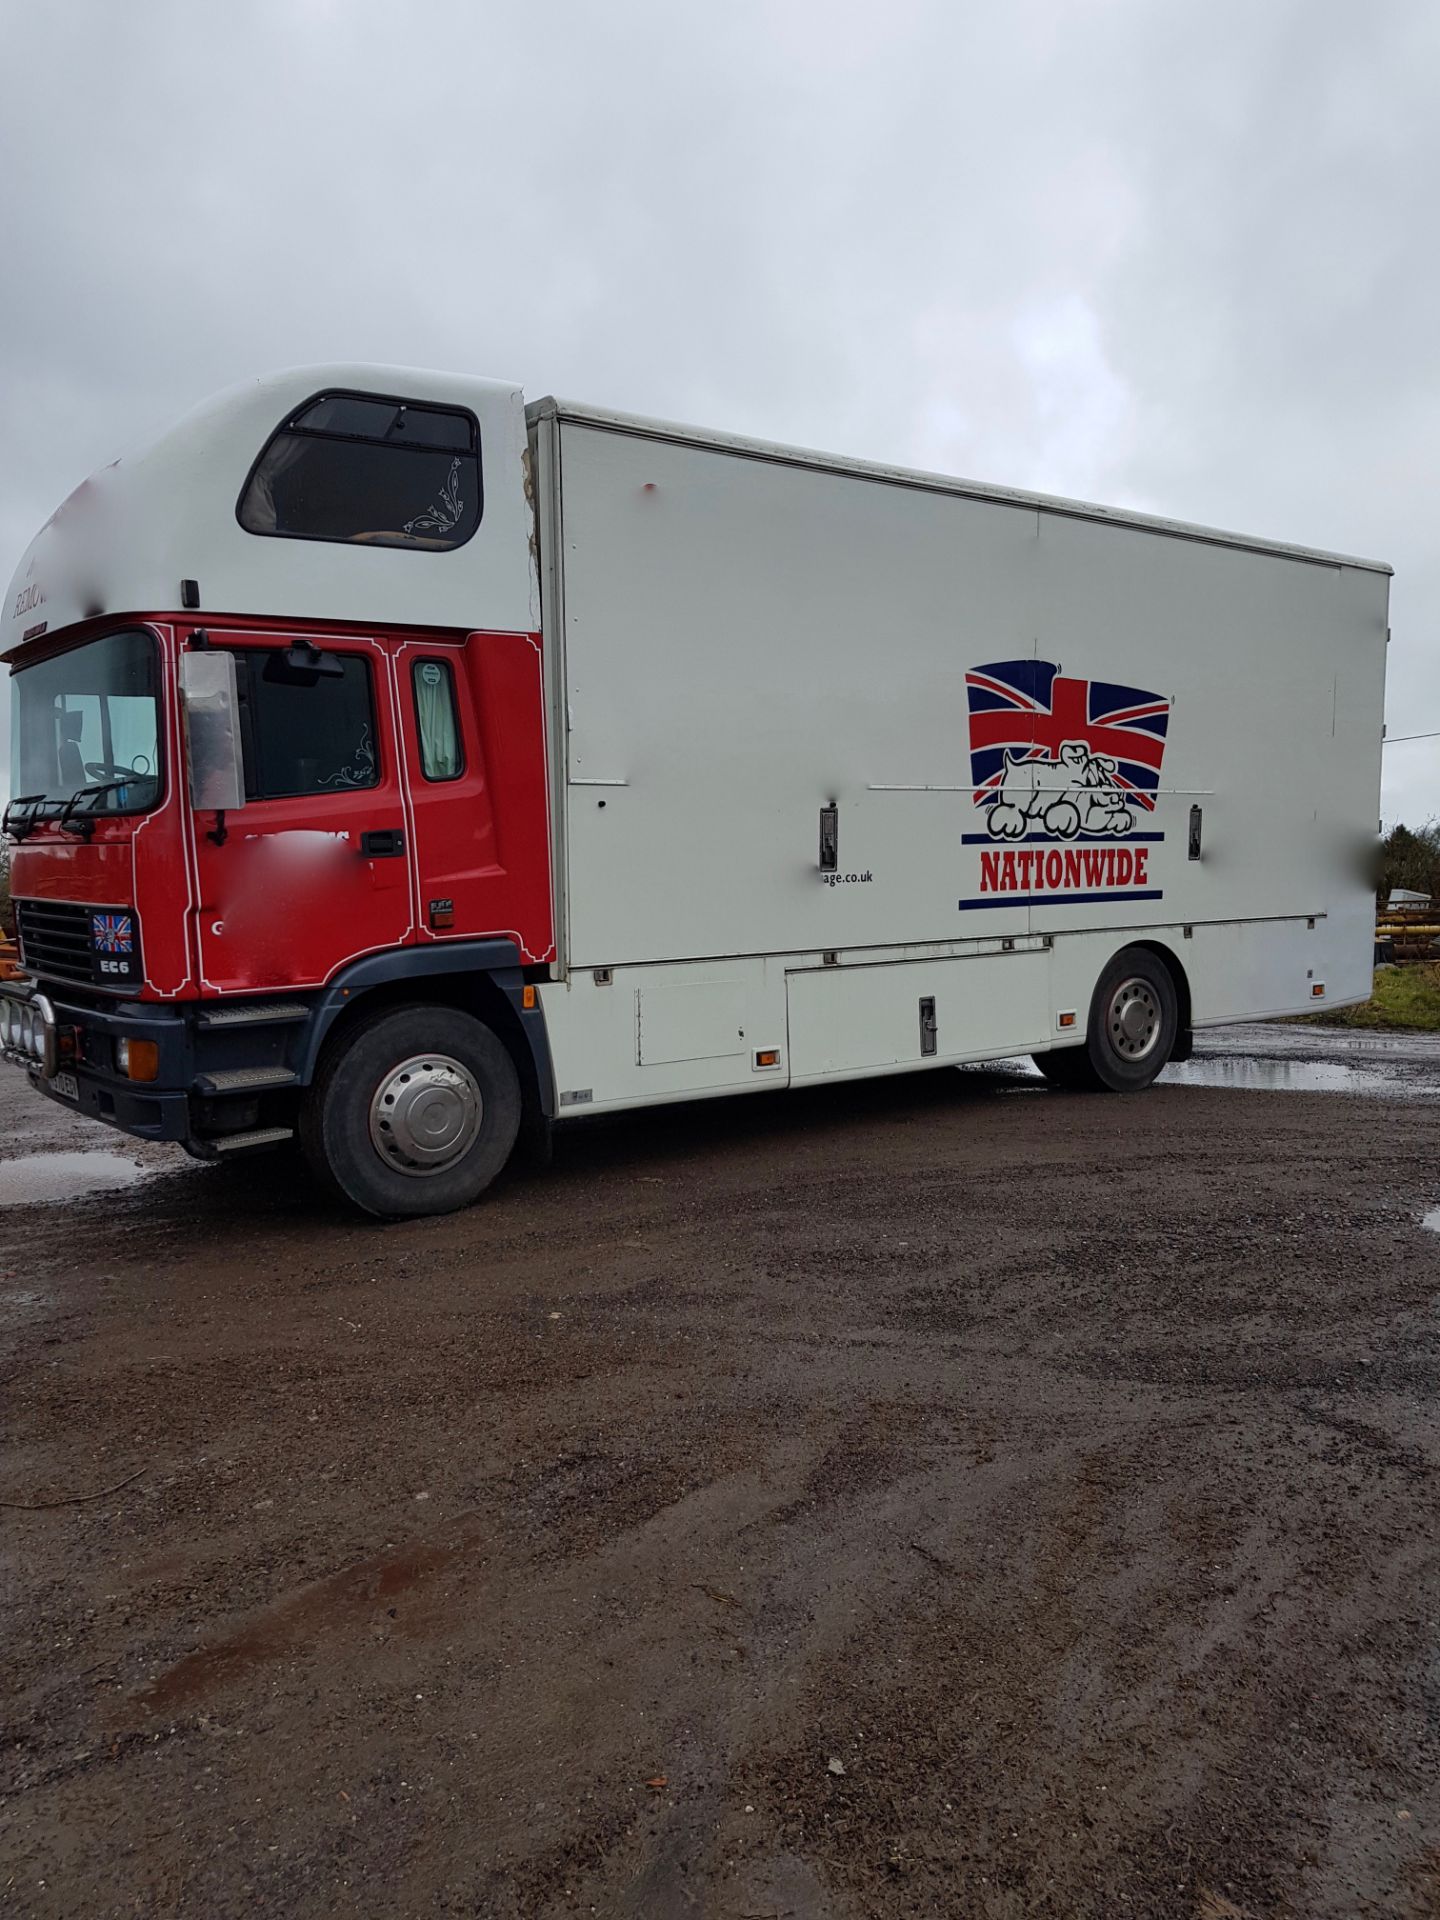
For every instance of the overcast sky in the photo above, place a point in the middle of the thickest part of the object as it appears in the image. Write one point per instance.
(1176, 256)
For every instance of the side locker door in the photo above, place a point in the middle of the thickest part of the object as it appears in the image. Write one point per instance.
(315, 869)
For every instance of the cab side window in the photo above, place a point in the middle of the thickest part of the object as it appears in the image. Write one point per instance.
(305, 733)
(437, 720)
(369, 471)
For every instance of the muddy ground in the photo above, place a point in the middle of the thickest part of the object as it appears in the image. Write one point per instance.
(935, 1497)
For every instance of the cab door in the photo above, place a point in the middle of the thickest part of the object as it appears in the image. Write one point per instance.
(472, 721)
(457, 862)
(316, 868)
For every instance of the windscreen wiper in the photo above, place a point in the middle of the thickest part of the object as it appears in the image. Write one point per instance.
(84, 827)
(22, 815)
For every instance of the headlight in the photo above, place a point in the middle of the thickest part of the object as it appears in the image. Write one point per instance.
(26, 1025)
(43, 1038)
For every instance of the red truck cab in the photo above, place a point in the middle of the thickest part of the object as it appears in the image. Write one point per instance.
(279, 785)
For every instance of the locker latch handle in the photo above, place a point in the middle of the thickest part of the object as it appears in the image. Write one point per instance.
(829, 838)
(1195, 818)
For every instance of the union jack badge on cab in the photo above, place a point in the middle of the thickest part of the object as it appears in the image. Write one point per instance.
(1060, 762)
(112, 932)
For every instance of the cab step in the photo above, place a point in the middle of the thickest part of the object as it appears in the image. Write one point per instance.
(250, 1142)
(244, 1079)
(264, 1013)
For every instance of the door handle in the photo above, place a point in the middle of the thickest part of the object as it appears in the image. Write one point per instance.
(829, 838)
(382, 843)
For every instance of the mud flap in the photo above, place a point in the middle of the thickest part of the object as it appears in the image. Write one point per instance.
(536, 1144)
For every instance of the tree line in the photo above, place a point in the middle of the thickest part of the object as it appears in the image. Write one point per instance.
(1410, 857)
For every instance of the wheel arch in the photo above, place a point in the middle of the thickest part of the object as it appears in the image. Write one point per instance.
(483, 977)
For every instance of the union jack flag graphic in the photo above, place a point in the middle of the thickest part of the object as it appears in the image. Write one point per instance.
(112, 932)
(1030, 710)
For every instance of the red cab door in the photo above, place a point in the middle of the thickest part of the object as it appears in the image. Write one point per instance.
(316, 869)
(473, 736)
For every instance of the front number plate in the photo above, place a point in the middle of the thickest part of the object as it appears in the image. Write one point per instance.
(66, 1085)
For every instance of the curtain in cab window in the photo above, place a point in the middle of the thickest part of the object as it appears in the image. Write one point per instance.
(441, 754)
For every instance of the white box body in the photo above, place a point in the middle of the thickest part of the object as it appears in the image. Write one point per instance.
(740, 636)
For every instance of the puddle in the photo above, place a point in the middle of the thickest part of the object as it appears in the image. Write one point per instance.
(1293, 1076)
(1407, 1079)
(40, 1177)
(1431, 1220)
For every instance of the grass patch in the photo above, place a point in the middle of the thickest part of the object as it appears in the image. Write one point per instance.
(1406, 999)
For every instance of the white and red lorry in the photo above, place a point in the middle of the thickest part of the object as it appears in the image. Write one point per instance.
(397, 766)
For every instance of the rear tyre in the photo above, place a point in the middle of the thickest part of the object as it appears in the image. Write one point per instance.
(1134, 1022)
(413, 1111)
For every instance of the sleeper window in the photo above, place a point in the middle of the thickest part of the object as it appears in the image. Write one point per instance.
(437, 720)
(369, 471)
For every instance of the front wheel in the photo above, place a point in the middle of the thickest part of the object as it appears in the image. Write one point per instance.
(1134, 1019)
(413, 1111)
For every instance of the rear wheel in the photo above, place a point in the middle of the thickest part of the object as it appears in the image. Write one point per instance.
(412, 1112)
(1134, 1018)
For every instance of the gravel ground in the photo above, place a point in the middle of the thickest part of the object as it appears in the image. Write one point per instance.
(936, 1497)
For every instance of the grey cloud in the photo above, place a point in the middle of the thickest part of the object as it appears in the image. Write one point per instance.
(1164, 255)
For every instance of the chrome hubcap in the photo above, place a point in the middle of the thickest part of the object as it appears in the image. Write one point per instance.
(426, 1114)
(1134, 1023)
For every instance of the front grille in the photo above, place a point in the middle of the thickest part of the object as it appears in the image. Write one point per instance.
(59, 941)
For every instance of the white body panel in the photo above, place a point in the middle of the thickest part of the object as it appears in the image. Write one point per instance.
(740, 635)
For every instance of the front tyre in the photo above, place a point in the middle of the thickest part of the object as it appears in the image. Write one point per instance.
(413, 1111)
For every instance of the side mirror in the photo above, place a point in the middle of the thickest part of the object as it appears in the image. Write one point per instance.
(210, 702)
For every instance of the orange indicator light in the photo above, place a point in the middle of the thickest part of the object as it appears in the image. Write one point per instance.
(142, 1060)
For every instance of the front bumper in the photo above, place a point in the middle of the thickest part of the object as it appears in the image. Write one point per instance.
(146, 1115)
(75, 1066)
(151, 1112)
